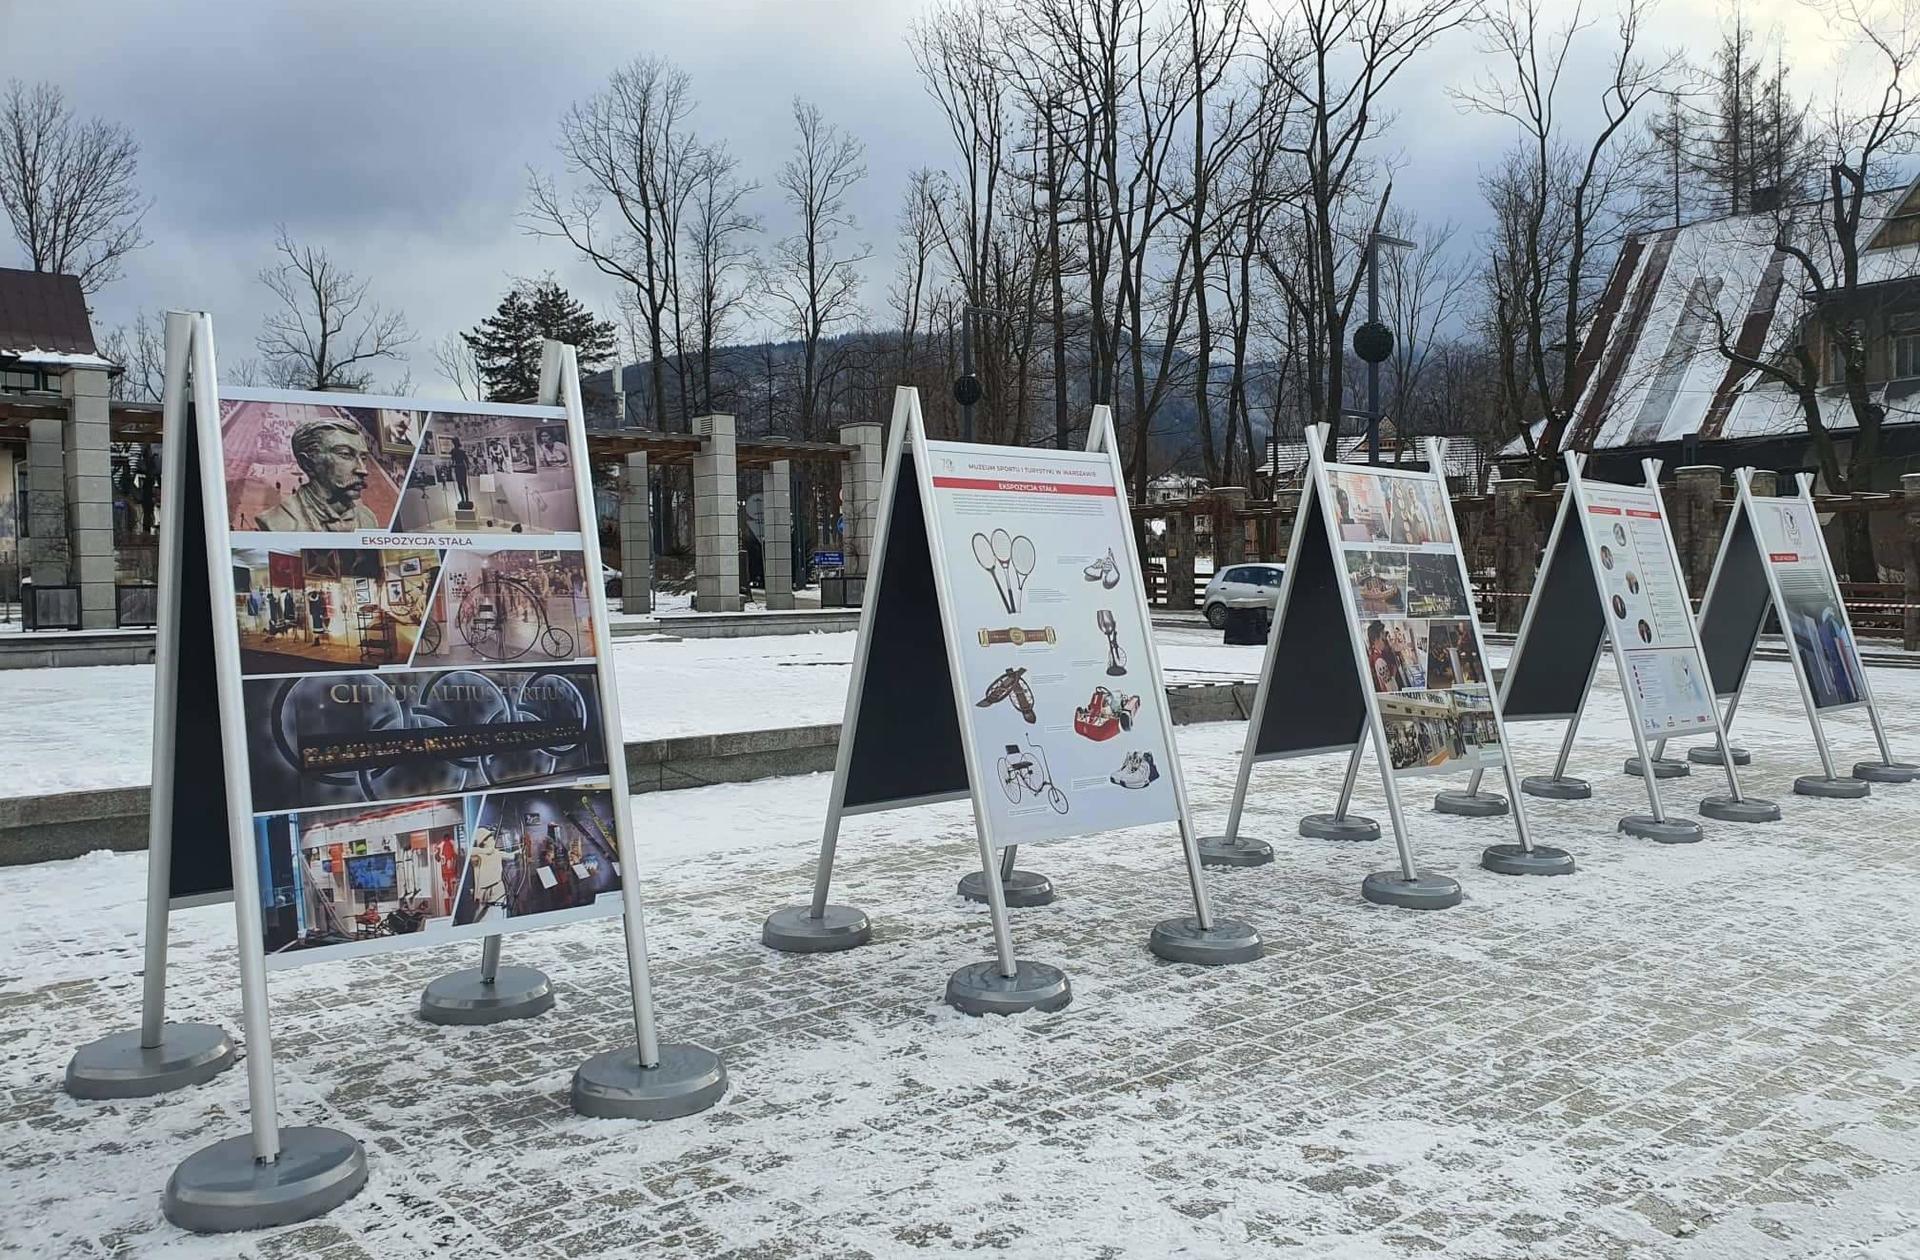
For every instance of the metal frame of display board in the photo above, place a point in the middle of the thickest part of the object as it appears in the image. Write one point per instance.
(1577, 614)
(277, 1175)
(1316, 575)
(1743, 545)
(1006, 984)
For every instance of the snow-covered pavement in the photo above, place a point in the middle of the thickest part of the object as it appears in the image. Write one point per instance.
(1706, 1052)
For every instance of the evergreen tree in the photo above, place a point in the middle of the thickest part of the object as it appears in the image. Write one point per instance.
(1751, 136)
(506, 344)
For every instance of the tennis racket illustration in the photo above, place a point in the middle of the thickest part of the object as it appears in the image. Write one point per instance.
(995, 555)
(1022, 558)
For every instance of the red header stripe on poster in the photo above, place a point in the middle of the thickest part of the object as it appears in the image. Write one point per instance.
(1644, 513)
(1604, 511)
(1021, 487)
(1784, 557)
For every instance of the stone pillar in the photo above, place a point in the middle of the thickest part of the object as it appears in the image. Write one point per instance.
(1910, 503)
(1765, 482)
(1696, 522)
(636, 536)
(1229, 531)
(1286, 510)
(1516, 550)
(716, 517)
(776, 532)
(860, 502)
(89, 480)
(1179, 559)
(47, 552)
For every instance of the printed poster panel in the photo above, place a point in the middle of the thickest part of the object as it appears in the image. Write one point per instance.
(1648, 613)
(1408, 596)
(1066, 725)
(1810, 609)
(426, 748)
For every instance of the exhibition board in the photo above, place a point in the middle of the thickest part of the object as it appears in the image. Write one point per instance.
(1005, 655)
(1375, 639)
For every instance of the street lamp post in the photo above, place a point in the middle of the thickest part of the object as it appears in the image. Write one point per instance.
(966, 389)
(1373, 340)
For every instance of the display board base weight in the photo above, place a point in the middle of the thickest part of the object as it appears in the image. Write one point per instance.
(1239, 851)
(221, 1189)
(795, 930)
(1020, 889)
(1338, 827)
(1831, 789)
(1709, 755)
(1183, 940)
(980, 989)
(1422, 892)
(1749, 809)
(1470, 804)
(1517, 859)
(468, 997)
(1886, 771)
(1663, 768)
(1662, 830)
(614, 1085)
(1553, 787)
(118, 1066)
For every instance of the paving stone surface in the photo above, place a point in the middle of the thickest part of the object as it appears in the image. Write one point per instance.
(1700, 1051)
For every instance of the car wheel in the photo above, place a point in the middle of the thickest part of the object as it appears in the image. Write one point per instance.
(1217, 616)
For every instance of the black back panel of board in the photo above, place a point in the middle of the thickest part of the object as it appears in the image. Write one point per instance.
(1549, 676)
(907, 743)
(1731, 622)
(202, 864)
(1315, 700)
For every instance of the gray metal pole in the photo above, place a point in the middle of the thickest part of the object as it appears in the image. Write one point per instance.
(490, 959)
(966, 368)
(1373, 369)
(1006, 861)
(1353, 772)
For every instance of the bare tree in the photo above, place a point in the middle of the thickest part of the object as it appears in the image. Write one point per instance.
(919, 233)
(453, 354)
(813, 276)
(717, 236)
(67, 185)
(325, 333)
(1422, 290)
(1572, 182)
(139, 351)
(632, 146)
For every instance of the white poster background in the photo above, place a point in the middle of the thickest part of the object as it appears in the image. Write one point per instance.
(1048, 523)
(1647, 609)
(1810, 611)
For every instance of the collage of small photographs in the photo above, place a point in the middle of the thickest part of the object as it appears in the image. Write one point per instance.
(424, 730)
(1022, 769)
(1415, 620)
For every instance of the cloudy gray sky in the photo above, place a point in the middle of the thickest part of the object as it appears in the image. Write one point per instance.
(397, 133)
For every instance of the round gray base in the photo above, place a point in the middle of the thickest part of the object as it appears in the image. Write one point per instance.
(1886, 771)
(1832, 789)
(464, 997)
(1663, 768)
(1026, 888)
(1555, 788)
(613, 1085)
(221, 1188)
(1748, 810)
(118, 1066)
(794, 930)
(1709, 755)
(980, 989)
(1513, 859)
(1239, 851)
(1670, 831)
(1333, 827)
(1469, 804)
(1185, 941)
(1423, 892)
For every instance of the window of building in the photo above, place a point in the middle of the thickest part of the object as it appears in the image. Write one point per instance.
(22, 381)
(1906, 347)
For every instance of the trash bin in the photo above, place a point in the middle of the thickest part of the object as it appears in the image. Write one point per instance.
(1247, 626)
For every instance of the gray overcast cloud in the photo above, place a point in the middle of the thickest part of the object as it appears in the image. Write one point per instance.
(398, 134)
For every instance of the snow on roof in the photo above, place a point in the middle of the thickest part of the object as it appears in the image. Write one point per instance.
(1651, 369)
(1287, 457)
(55, 358)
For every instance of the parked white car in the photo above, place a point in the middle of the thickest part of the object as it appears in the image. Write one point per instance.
(1241, 586)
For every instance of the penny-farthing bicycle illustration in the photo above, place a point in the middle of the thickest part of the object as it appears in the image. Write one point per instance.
(500, 619)
(1023, 772)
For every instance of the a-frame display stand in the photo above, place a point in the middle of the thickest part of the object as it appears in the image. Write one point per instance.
(187, 858)
(1592, 592)
(1772, 543)
(274, 1174)
(903, 742)
(1316, 693)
